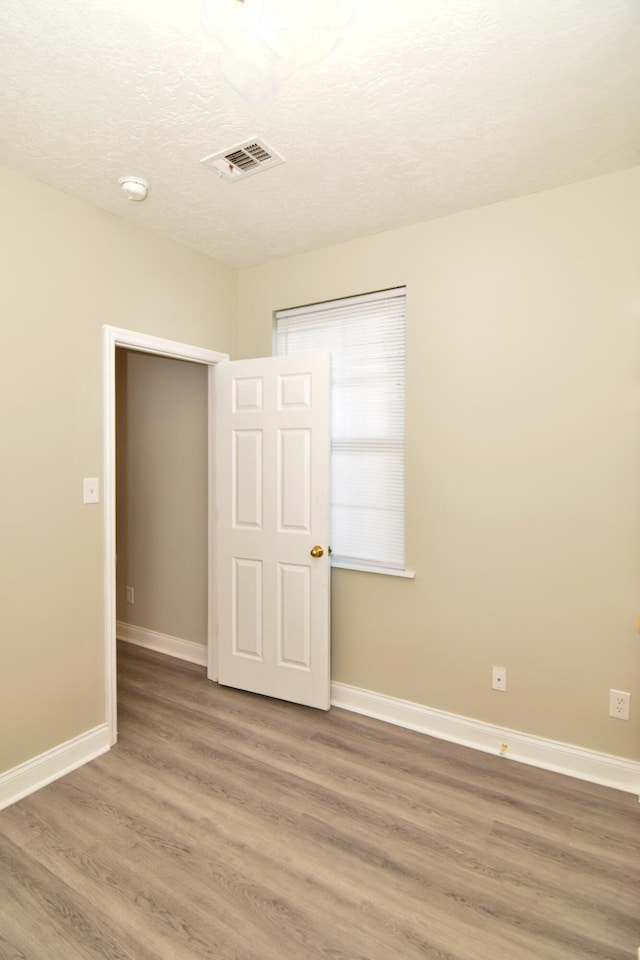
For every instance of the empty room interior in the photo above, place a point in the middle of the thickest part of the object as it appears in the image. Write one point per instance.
(321, 345)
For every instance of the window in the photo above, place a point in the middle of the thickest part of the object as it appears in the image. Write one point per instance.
(366, 339)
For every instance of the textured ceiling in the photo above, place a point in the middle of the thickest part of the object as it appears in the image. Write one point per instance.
(425, 109)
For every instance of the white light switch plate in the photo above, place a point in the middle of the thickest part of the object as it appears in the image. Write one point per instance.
(91, 490)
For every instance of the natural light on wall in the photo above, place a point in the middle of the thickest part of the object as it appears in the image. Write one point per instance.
(263, 42)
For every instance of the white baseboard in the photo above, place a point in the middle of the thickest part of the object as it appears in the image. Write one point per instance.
(162, 643)
(51, 765)
(572, 761)
(563, 758)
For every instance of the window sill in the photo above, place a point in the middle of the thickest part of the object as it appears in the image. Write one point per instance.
(363, 568)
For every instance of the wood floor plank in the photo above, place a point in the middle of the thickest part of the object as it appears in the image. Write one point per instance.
(455, 856)
(62, 916)
(11, 951)
(447, 766)
(237, 827)
(118, 878)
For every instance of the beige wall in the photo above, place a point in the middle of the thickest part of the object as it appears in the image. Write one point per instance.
(67, 269)
(161, 413)
(523, 456)
(523, 466)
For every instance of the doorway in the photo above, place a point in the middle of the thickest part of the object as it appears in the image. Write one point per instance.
(114, 338)
(161, 504)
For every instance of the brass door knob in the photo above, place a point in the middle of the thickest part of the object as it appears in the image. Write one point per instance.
(317, 551)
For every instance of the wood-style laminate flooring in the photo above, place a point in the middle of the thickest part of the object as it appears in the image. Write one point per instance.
(230, 826)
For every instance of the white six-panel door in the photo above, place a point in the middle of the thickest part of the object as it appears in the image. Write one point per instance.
(272, 492)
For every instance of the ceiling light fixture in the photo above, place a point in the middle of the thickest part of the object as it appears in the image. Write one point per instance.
(134, 188)
(264, 41)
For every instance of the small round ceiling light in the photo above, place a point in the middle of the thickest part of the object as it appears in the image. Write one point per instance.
(134, 188)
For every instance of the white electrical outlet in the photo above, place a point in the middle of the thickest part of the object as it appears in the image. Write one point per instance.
(499, 678)
(130, 596)
(619, 704)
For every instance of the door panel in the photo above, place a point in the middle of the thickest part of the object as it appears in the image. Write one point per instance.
(273, 508)
(247, 608)
(294, 476)
(246, 469)
(294, 615)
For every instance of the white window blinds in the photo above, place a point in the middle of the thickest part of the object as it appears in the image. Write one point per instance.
(366, 339)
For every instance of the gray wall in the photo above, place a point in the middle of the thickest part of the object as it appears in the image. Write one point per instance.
(161, 445)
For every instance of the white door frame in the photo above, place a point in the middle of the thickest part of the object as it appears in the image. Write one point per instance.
(117, 337)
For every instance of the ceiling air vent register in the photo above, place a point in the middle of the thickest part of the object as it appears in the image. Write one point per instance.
(243, 160)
